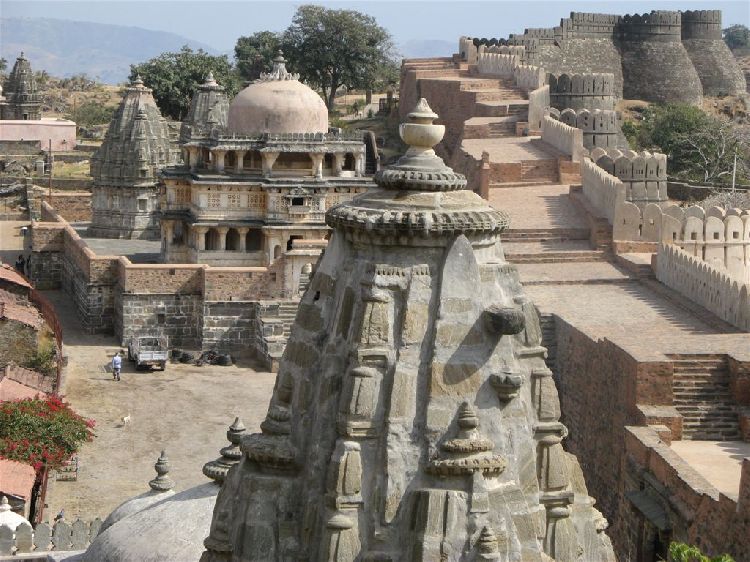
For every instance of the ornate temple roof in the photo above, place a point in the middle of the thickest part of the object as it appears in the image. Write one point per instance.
(277, 103)
(21, 82)
(207, 113)
(137, 143)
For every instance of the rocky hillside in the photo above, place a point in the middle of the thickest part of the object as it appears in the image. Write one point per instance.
(65, 48)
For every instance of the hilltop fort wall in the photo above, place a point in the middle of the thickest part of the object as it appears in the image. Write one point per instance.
(718, 71)
(656, 56)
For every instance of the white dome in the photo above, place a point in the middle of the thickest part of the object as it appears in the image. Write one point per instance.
(171, 529)
(277, 103)
(8, 517)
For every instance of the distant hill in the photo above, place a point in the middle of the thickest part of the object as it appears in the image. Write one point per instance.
(428, 48)
(64, 48)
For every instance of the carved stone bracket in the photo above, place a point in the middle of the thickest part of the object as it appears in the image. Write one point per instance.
(505, 320)
(506, 385)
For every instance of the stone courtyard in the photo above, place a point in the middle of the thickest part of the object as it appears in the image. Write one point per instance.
(185, 409)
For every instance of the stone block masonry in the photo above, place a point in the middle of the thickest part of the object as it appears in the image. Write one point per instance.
(194, 306)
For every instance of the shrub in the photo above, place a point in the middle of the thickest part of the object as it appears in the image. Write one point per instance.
(44, 359)
(680, 552)
(41, 431)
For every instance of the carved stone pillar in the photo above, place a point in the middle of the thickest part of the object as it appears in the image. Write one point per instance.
(219, 160)
(192, 157)
(317, 165)
(359, 165)
(239, 159)
(268, 160)
(200, 232)
(243, 239)
(223, 237)
(338, 164)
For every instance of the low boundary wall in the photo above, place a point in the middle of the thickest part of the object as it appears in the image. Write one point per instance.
(702, 283)
(192, 305)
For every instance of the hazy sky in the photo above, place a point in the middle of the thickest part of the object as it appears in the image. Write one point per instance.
(219, 23)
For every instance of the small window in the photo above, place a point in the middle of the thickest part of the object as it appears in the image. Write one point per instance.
(172, 271)
(735, 235)
(716, 235)
(693, 236)
(141, 204)
(298, 201)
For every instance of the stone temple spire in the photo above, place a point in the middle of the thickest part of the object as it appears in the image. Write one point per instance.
(162, 482)
(126, 167)
(413, 416)
(23, 100)
(207, 114)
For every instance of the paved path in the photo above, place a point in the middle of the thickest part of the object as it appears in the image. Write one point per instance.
(538, 206)
(719, 462)
(185, 410)
(509, 149)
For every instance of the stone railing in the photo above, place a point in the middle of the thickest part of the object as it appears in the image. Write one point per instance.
(604, 191)
(643, 173)
(564, 138)
(61, 536)
(704, 284)
(578, 91)
(719, 237)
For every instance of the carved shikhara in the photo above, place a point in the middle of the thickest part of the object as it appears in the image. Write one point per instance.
(413, 416)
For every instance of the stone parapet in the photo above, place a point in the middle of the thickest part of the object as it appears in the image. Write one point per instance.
(582, 91)
(705, 284)
(600, 127)
(604, 191)
(644, 174)
(566, 139)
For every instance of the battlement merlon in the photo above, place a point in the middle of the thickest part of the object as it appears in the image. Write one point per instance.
(701, 24)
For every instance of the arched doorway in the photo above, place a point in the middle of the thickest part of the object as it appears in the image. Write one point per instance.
(212, 239)
(253, 240)
(233, 240)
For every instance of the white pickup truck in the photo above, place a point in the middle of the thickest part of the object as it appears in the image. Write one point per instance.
(148, 351)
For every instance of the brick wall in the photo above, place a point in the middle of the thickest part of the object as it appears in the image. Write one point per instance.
(597, 385)
(695, 512)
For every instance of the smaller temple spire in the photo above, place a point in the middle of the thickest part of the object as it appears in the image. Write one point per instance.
(162, 482)
(279, 71)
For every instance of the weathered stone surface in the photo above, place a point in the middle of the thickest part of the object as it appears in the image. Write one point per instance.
(379, 446)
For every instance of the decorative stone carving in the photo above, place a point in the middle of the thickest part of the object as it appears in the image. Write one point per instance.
(506, 320)
(162, 482)
(230, 455)
(395, 365)
(506, 384)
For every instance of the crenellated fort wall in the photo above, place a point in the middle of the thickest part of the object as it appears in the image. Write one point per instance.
(656, 56)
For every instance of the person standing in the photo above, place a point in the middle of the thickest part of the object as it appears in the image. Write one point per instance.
(21, 265)
(116, 366)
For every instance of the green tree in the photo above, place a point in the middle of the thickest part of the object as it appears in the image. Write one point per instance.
(335, 48)
(174, 77)
(737, 36)
(254, 53)
(699, 146)
(91, 113)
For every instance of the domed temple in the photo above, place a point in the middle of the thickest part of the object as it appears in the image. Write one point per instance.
(413, 416)
(259, 174)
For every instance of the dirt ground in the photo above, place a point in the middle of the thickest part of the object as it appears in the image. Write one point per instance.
(185, 410)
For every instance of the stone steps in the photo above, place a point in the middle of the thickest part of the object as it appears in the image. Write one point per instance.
(544, 234)
(501, 108)
(702, 396)
(526, 183)
(558, 257)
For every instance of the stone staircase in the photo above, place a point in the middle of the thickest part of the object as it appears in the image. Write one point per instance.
(703, 398)
(275, 320)
(549, 340)
(544, 234)
(526, 253)
(502, 108)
